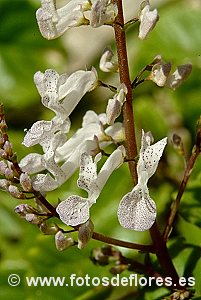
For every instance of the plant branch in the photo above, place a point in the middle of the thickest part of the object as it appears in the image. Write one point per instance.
(120, 243)
(131, 146)
(175, 205)
(164, 257)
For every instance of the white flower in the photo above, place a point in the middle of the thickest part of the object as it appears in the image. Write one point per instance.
(115, 104)
(160, 72)
(137, 211)
(147, 18)
(106, 62)
(75, 210)
(179, 76)
(103, 12)
(54, 22)
(61, 93)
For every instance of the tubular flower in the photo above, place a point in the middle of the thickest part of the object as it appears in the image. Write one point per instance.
(137, 211)
(61, 93)
(54, 22)
(75, 209)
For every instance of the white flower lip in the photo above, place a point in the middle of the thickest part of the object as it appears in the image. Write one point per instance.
(137, 211)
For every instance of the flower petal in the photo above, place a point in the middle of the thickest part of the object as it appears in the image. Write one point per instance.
(74, 210)
(32, 163)
(137, 211)
(149, 157)
(103, 12)
(179, 76)
(148, 19)
(106, 63)
(88, 172)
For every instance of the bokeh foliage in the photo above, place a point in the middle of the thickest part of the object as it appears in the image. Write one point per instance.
(24, 250)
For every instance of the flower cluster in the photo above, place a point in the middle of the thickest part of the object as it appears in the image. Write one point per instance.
(62, 156)
(160, 73)
(53, 22)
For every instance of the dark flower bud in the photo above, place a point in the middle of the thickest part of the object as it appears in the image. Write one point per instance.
(85, 233)
(15, 192)
(62, 242)
(25, 182)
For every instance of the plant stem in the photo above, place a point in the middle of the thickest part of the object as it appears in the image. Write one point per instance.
(120, 243)
(164, 257)
(131, 146)
(159, 244)
(175, 205)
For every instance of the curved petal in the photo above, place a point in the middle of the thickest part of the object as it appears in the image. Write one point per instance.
(74, 210)
(32, 163)
(88, 172)
(137, 211)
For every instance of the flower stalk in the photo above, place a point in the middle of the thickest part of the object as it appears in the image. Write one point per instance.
(128, 116)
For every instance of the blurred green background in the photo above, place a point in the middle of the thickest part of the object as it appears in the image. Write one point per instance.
(24, 250)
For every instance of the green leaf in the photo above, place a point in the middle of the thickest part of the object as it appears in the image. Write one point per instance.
(190, 232)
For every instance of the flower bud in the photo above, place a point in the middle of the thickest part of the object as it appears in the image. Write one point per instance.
(3, 154)
(106, 63)
(160, 73)
(118, 269)
(62, 242)
(4, 184)
(179, 76)
(49, 230)
(33, 219)
(8, 148)
(3, 167)
(147, 18)
(85, 233)
(9, 174)
(23, 209)
(15, 192)
(115, 104)
(25, 182)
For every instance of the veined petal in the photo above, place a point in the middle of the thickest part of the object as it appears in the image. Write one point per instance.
(74, 210)
(137, 211)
